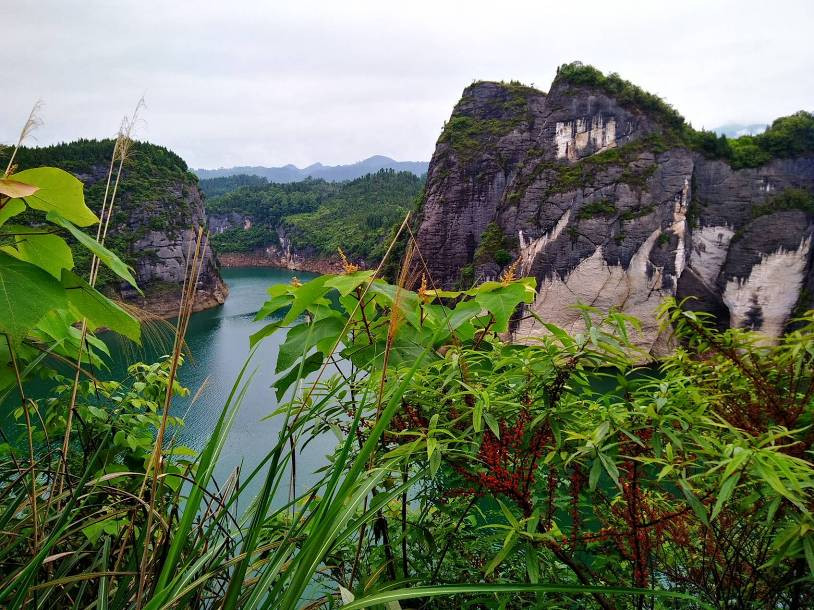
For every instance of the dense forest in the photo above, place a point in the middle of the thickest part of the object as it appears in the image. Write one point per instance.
(215, 187)
(318, 216)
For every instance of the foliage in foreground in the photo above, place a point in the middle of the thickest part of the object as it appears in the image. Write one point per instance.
(466, 470)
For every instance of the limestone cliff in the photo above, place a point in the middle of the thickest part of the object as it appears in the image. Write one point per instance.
(607, 198)
(157, 213)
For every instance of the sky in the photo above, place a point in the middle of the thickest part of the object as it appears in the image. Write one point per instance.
(253, 82)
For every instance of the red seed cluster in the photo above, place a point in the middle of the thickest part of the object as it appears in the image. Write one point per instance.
(507, 464)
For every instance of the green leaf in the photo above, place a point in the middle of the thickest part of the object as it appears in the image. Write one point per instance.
(477, 415)
(113, 262)
(724, 494)
(808, 550)
(532, 564)
(27, 293)
(508, 547)
(311, 364)
(435, 461)
(432, 445)
(492, 423)
(492, 589)
(99, 311)
(41, 248)
(12, 208)
(298, 342)
(346, 284)
(696, 505)
(502, 301)
(596, 471)
(59, 192)
(610, 468)
(304, 296)
(273, 305)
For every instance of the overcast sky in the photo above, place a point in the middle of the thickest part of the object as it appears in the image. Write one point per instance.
(242, 82)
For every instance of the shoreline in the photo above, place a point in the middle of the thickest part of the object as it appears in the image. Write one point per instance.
(292, 263)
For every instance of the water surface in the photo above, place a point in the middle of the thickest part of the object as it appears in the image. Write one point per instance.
(218, 341)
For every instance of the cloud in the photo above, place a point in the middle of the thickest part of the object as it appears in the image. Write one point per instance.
(233, 83)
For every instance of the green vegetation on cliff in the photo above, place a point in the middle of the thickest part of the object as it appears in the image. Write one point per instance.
(787, 137)
(318, 216)
(625, 92)
(495, 246)
(153, 195)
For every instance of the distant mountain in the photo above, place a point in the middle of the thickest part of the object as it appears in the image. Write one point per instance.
(331, 173)
(736, 130)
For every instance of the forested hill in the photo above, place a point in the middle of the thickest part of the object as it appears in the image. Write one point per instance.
(157, 209)
(313, 218)
(331, 173)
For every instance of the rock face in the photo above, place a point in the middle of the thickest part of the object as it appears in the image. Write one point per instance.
(158, 234)
(164, 255)
(606, 208)
(157, 212)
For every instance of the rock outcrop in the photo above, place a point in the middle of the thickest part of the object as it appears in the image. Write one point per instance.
(607, 205)
(157, 213)
(162, 256)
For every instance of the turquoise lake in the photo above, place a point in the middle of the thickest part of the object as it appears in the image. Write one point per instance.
(218, 341)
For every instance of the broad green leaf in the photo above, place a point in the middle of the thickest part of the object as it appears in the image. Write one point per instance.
(502, 301)
(99, 311)
(304, 296)
(27, 293)
(311, 364)
(113, 262)
(37, 246)
(58, 191)
(346, 284)
(10, 209)
(298, 342)
(7, 375)
(108, 526)
(274, 305)
(12, 188)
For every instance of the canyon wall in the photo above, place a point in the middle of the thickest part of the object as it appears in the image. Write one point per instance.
(607, 205)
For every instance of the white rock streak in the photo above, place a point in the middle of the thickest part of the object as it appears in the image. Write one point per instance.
(708, 254)
(594, 282)
(573, 137)
(530, 250)
(772, 289)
